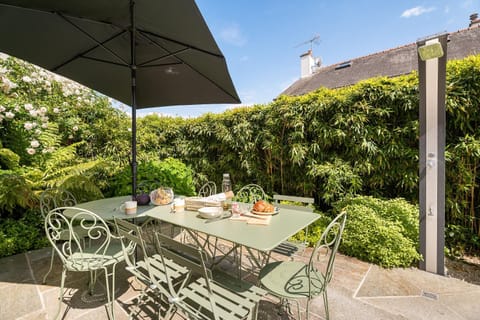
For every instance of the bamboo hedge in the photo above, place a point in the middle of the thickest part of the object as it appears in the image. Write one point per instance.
(331, 143)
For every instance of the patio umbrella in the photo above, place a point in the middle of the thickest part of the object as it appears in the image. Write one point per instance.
(144, 53)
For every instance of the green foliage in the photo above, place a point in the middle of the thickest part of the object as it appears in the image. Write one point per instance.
(15, 193)
(21, 235)
(167, 173)
(384, 232)
(9, 160)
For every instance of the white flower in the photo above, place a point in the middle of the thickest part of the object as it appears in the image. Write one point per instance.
(34, 144)
(2, 108)
(38, 131)
(26, 79)
(56, 110)
(44, 125)
(33, 113)
(17, 108)
(28, 126)
(44, 119)
(43, 110)
(3, 70)
(70, 137)
(9, 114)
(34, 124)
(31, 151)
(28, 106)
(6, 85)
(75, 128)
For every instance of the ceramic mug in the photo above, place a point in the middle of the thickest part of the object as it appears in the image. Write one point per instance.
(129, 207)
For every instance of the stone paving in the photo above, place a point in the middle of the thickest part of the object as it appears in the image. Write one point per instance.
(358, 291)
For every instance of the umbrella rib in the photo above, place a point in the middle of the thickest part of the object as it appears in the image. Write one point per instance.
(160, 65)
(99, 44)
(104, 61)
(163, 57)
(145, 33)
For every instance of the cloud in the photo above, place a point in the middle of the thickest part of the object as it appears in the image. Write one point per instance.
(416, 11)
(233, 35)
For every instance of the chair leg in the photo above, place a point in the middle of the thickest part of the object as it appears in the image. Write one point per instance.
(110, 294)
(325, 304)
(60, 295)
(52, 256)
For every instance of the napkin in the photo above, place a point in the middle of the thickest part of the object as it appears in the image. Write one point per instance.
(260, 221)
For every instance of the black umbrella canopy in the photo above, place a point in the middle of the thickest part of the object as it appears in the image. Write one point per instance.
(144, 53)
(177, 60)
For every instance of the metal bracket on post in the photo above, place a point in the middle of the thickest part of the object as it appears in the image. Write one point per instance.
(432, 57)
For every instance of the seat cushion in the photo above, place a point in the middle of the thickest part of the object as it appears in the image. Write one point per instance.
(289, 279)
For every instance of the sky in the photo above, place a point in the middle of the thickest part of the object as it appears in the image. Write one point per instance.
(262, 40)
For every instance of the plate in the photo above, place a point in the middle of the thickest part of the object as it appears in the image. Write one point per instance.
(210, 212)
(275, 211)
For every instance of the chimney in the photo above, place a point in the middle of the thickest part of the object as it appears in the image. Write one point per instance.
(307, 62)
(474, 21)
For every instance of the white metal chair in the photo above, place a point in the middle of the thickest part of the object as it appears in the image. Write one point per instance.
(291, 248)
(104, 253)
(202, 295)
(295, 280)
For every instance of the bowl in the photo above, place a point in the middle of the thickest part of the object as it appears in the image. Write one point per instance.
(161, 196)
(210, 212)
(143, 199)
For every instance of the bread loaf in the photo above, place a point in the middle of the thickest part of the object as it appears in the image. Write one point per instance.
(263, 206)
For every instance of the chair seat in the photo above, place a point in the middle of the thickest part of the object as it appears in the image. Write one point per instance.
(289, 279)
(90, 260)
(229, 304)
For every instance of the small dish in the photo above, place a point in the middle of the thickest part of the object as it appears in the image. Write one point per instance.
(210, 212)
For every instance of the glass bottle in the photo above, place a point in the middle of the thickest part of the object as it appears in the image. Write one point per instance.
(226, 187)
(226, 183)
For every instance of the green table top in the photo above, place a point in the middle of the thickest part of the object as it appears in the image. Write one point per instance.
(109, 208)
(260, 237)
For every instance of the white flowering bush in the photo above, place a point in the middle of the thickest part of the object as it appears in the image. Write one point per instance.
(41, 111)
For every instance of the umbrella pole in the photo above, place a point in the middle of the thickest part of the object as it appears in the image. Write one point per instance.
(133, 67)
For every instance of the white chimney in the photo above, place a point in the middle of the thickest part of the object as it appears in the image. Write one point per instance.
(307, 62)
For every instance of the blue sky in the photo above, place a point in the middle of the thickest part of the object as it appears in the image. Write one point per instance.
(262, 39)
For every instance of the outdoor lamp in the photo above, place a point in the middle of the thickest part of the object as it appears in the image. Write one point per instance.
(430, 51)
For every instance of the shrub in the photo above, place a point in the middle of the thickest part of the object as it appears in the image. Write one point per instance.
(9, 160)
(17, 236)
(168, 173)
(384, 232)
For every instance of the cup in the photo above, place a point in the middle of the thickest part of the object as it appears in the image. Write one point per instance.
(129, 207)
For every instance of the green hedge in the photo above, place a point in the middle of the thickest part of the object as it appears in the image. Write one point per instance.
(384, 232)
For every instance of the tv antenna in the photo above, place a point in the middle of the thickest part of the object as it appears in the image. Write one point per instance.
(314, 40)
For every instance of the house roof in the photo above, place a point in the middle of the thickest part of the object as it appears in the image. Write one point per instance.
(389, 63)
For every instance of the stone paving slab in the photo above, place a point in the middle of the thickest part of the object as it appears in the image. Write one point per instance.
(358, 291)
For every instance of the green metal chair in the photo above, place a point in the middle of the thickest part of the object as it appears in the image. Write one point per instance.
(104, 253)
(291, 248)
(148, 270)
(50, 199)
(250, 193)
(294, 280)
(202, 295)
(208, 189)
